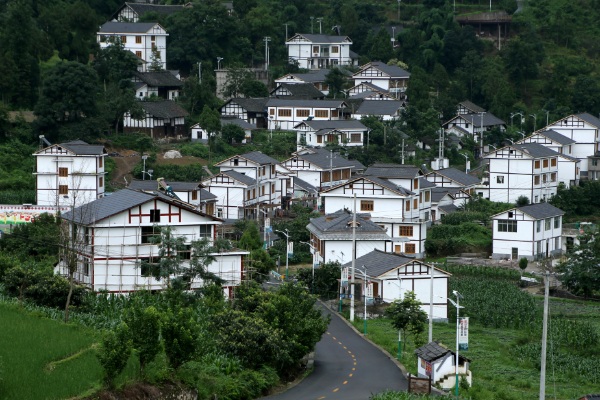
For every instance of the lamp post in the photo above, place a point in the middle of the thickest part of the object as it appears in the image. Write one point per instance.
(311, 24)
(547, 116)
(365, 295)
(267, 39)
(287, 245)
(534, 121)
(510, 140)
(313, 266)
(511, 118)
(219, 59)
(286, 32)
(522, 134)
(399, 331)
(399, 1)
(466, 161)
(457, 305)
(320, 20)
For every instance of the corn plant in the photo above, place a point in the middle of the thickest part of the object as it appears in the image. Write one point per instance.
(577, 335)
(482, 271)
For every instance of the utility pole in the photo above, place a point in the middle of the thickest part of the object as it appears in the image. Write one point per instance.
(384, 134)
(546, 275)
(200, 72)
(331, 168)
(353, 260)
(431, 306)
(286, 32)
(319, 20)
(481, 139)
(311, 24)
(402, 151)
(399, 1)
(257, 195)
(267, 39)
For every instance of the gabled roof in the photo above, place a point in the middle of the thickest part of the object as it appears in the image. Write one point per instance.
(535, 150)
(321, 158)
(128, 27)
(590, 119)
(239, 122)
(313, 76)
(439, 193)
(254, 156)
(164, 109)
(79, 147)
(176, 186)
(537, 211)
(489, 119)
(307, 90)
(392, 171)
(460, 129)
(456, 176)
(141, 9)
(448, 208)
(328, 103)
(379, 181)
(388, 107)
(250, 104)
(319, 38)
(390, 70)
(120, 201)
(371, 86)
(554, 136)
(246, 180)
(435, 350)
(424, 184)
(471, 106)
(304, 185)
(342, 124)
(159, 78)
(343, 223)
(379, 263)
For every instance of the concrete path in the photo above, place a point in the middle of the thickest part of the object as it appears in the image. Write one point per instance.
(346, 367)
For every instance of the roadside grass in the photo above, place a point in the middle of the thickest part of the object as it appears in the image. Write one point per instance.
(496, 374)
(32, 348)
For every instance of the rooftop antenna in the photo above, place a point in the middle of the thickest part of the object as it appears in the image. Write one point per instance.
(319, 20)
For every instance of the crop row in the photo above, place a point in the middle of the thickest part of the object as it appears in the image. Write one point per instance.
(484, 272)
(577, 335)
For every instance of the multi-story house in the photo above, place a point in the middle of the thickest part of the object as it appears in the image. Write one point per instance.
(114, 247)
(568, 166)
(319, 133)
(192, 193)
(365, 87)
(387, 77)
(386, 110)
(532, 232)
(142, 39)
(163, 84)
(474, 123)
(69, 174)
(529, 170)
(319, 51)
(232, 189)
(131, 12)
(253, 111)
(466, 107)
(320, 168)
(200, 134)
(297, 91)
(314, 77)
(453, 178)
(164, 118)
(285, 114)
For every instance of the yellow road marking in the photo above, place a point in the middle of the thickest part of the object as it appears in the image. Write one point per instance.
(353, 369)
(345, 382)
(351, 374)
(334, 338)
(335, 390)
(354, 364)
(340, 342)
(320, 398)
(353, 356)
(328, 334)
(345, 347)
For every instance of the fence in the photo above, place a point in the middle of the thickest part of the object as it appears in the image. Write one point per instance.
(419, 385)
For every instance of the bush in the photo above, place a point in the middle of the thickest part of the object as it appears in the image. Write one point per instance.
(114, 352)
(522, 201)
(196, 150)
(523, 263)
(458, 218)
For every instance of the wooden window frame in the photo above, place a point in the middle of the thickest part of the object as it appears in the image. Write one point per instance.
(152, 38)
(407, 205)
(284, 112)
(194, 195)
(553, 162)
(63, 172)
(536, 180)
(545, 163)
(366, 205)
(335, 49)
(155, 215)
(356, 138)
(63, 190)
(124, 39)
(101, 182)
(537, 164)
(101, 162)
(405, 230)
(138, 54)
(271, 111)
(334, 113)
(427, 194)
(319, 138)
(416, 204)
(302, 113)
(410, 248)
(138, 40)
(321, 113)
(416, 183)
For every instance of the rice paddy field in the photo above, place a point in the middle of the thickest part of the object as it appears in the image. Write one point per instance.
(505, 354)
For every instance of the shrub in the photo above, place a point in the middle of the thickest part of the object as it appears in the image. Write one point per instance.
(144, 325)
(523, 263)
(458, 218)
(114, 351)
(522, 201)
(181, 334)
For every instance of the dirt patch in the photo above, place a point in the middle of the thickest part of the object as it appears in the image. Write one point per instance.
(123, 171)
(184, 160)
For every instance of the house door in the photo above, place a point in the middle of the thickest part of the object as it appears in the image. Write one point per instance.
(515, 253)
(547, 243)
(398, 249)
(433, 215)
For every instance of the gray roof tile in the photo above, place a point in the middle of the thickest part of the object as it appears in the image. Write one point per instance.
(127, 27)
(322, 160)
(556, 137)
(590, 119)
(343, 124)
(457, 176)
(326, 103)
(387, 107)
(392, 171)
(541, 210)
(379, 262)
(82, 148)
(240, 177)
(258, 105)
(164, 109)
(159, 78)
(304, 185)
(489, 119)
(319, 38)
(471, 106)
(425, 184)
(535, 150)
(438, 193)
(239, 122)
(298, 90)
(257, 157)
(390, 70)
(448, 208)
(435, 350)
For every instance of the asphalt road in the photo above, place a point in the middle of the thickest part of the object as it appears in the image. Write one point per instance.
(346, 367)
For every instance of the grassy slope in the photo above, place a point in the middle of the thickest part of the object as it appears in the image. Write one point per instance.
(496, 375)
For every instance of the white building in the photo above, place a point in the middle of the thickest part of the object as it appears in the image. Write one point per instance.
(438, 362)
(319, 51)
(320, 168)
(314, 77)
(163, 84)
(232, 189)
(365, 87)
(69, 174)
(443, 198)
(388, 77)
(453, 178)
(532, 232)
(473, 123)
(395, 274)
(131, 12)
(318, 133)
(529, 170)
(297, 91)
(568, 165)
(192, 193)
(386, 110)
(286, 114)
(200, 134)
(139, 38)
(116, 230)
(253, 111)
(466, 107)
(164, 118)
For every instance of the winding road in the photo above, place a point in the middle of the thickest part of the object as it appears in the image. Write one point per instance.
(346, 367)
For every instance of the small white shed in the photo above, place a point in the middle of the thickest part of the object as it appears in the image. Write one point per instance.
(438, 362)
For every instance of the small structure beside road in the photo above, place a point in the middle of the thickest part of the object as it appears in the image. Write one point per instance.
(437, 361)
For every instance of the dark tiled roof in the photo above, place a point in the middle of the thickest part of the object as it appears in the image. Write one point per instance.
(239, 122)
(258, 157)
(347, 124)
(457, 176)
(318, 38)
(139, 85)
(153, 185)
(460, 129)
(343, 223)
(557, 137)
(389, 107)
(379, 262)
(82, 148)
(541, 210)
(240, 177)
(391, 70)
(362, 95)
(571, 158)
(392, 172)
(164, 109)
(471, 106)
(313, 76)
(438, 193)
(345, 211)
(373, 87)
(489, 119)
(448, 208)
(321, 159)
(304, 185)
(127, 27)
(424, 184)
(389, 185)
(435, 350)
(590, 119)
(250, 104)
(328, 103)
(141, 9)
(159, 79)
(307, 90)
(535, 150)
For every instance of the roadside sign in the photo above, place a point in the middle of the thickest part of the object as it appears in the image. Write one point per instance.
(345, 277)
(290, 249)
(369, 292)
(463, 334)
(426, 366)
(268, 227)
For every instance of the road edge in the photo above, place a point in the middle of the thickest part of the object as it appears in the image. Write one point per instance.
(401, 367)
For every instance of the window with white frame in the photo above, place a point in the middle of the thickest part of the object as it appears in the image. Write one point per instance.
(507, 226)
(538, 225)
(548, 225)
(556, 222)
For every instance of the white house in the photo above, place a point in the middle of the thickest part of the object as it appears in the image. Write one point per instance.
(314, 77)
(161, 83)
(139, 38)
(318, 133)
(115, 232)
(475, 123)
(453, 178)
(529, 170)
(200, 134)
(164, 118)
(319, 167)
(131, 12)
(192, 193)
(285, 114)
(532, 232)
(386, 110)
(438, 362)
(395, 274)
(297, 91)
(69, 174)
(232, 189)
(365, 87)
(251, 110)
(466, 107)
(388, 77)
(583, 129)
(319, 51)
(443, 198)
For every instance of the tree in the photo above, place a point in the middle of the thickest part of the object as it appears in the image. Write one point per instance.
(114, 63)
(382, 48)
(254, 88)
(68, 98)
(585, 95)
(407, 315)
(522, 201)
(581, 270)
(237, 79)
(523, 263)
(114, 351)
(251, 239)
(118, 100)
(510, 6)
(350, 20)
(417, 90)
(210, 120)
(156, 64)
(232, 132)
(181, 335)
(335, 80)
(262, 264)
(144, 324)
(326, 277)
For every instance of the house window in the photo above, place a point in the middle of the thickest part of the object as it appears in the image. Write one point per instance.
(548, 223)
(63, 172)
(325, 176)
(319, 138)
(236, 162)
(546, 163)
(553, 162)
(569, 149)
(248, 197)
(409, 248)
(576, 170)
(195, 195)
(264, 171)
(595, 162)
(356, 138)
(538, 227)
(138, 39)
(416, 183)
(556, 222)
(101, 182)
(149, 232)
(186, 253)
(315, 49)
(123, 39)
(254, 193)
(536, 180)
(507, 226)
(273, 188)
(407, 205)
(138, 54)
(334, 113)
(427, 196)
(285, 112)
(63, 189)
(263, 191)
(272, 169)
(152, 38)
(153, 46)
(398, 249)
(420, 198)
(205, 231)
(415, 205)
(154, 215)
(271, 111)
(331, 138)
(337, 174)
(405, 230)
(322, 113)
(557, 243)
(539, 247)
(302, 113)
(426, 215)
(544, 178)
(100, 162)
(366, 205)
(500, 179)
(335, 49)
(536, 199)
(537, 164)
(553, 177)
(219, 212)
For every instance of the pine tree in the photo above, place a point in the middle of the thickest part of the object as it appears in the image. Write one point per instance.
(156, 64)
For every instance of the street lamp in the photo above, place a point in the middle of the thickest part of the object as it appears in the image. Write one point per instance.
(457, 305)
(399, 1)
(510, 140)
(219, 62)
(534, 121)
(466, 161)
(311, 24)
(522, 134)
(511, 118)
(313, 265)
(547, 116)
(287, 245)
(365, 295)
